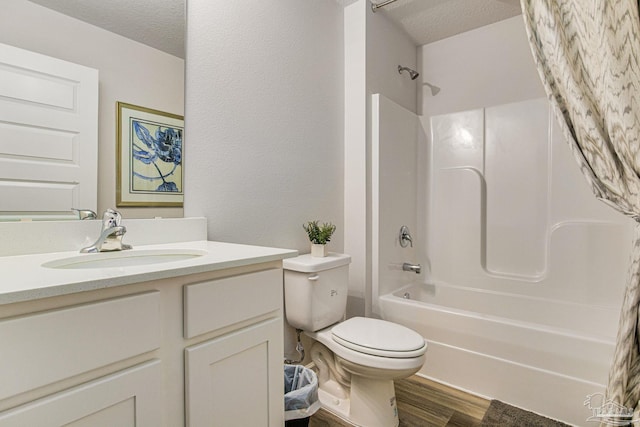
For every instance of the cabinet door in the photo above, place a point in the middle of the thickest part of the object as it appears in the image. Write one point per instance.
(237, 379)
(128, 398)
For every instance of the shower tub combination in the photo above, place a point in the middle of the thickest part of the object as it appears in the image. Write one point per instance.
(523, 269)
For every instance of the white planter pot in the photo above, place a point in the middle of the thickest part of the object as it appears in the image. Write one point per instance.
(319, 251)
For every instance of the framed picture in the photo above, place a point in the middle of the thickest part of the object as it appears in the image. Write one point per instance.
(149, 157)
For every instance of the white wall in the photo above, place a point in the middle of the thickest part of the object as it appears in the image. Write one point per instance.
(488, 66)
(374, 47)
(264, 109)
(387, 47)
(128, 71)
(357, 215)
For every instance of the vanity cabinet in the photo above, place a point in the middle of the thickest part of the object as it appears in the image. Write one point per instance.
(195, 350)
(233, 372)
(51, 347)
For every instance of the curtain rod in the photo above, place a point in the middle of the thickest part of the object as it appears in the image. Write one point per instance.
(375, 6)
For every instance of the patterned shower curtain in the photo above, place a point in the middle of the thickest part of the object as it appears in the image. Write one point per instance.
(587, 53)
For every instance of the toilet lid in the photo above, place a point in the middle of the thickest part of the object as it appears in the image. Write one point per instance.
(379, 338)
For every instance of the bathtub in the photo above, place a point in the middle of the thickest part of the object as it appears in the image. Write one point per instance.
(543, 355)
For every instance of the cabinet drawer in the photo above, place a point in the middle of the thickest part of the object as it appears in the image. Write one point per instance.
(219, 303)
(43, 348)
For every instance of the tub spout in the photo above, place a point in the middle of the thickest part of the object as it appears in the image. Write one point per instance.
(412, 267)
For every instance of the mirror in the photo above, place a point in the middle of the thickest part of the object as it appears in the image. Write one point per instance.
(136, 46)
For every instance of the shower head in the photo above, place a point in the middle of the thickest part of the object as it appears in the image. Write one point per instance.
(434, 89)
(412, 73)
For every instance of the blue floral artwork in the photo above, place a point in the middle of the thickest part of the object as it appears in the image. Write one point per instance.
(156, 157)
(150, 158)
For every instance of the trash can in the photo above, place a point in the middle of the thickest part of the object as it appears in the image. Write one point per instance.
(300, 395)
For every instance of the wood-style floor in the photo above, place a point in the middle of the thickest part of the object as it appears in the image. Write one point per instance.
(424, 403)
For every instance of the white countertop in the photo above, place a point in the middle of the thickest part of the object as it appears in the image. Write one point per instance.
(23, 277)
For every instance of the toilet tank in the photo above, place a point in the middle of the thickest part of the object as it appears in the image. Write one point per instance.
(315, 290)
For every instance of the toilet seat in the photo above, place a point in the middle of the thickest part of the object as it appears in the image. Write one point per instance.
(377, 337)
(325, 337)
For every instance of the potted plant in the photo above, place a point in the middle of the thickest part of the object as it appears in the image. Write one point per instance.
(319, 236)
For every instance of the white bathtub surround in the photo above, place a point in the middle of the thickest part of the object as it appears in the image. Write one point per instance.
(525, 266)
(591, 83)
(511, 219)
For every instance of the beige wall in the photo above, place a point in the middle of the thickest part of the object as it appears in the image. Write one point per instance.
(129, 72)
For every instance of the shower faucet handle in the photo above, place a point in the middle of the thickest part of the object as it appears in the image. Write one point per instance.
(405, 237)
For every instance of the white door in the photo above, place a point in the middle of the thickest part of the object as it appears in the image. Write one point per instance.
(49, 135)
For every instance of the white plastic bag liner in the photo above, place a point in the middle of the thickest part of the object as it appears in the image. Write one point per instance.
(300, 392)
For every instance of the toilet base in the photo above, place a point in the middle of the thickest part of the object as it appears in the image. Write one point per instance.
(371, 403)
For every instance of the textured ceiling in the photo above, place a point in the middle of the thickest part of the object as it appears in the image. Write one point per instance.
(160, 23)
(156, 23)
(427, 21)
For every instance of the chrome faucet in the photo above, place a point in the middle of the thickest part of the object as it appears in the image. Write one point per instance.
(111, 235)
(85, 213)
(405, 237)
(416, 268)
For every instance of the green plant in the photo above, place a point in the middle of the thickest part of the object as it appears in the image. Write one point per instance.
(319, 234)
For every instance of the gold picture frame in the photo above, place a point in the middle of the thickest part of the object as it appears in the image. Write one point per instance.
(149, 162)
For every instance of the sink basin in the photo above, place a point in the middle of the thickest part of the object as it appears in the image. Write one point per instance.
(124, 258)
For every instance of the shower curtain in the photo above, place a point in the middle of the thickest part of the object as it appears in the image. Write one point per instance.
(587, 54)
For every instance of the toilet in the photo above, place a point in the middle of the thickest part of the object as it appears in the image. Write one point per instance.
(357, 359)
